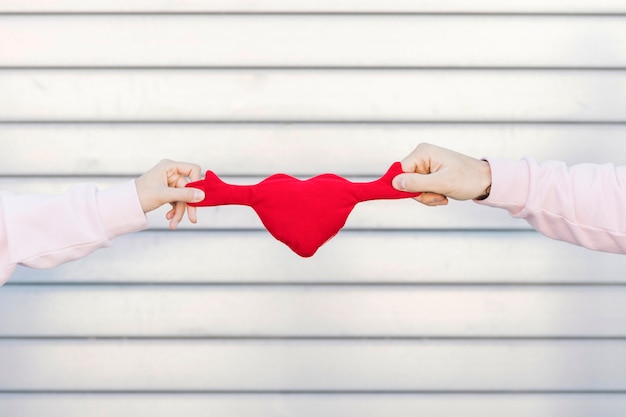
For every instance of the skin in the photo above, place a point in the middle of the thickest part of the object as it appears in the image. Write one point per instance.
(165, 183)
(442, 174)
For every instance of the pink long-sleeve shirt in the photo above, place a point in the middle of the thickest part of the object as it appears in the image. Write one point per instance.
(42, 231)
(583, 204)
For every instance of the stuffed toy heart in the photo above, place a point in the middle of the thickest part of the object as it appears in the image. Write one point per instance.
(302, 214)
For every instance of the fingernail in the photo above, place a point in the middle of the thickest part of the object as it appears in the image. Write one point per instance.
(399, 183)
(198, 195)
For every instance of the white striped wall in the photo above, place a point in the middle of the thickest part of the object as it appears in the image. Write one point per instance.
(410, 310)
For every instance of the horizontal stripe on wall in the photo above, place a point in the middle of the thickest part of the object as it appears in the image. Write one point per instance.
(312, 311)
(312, 405)
(350, 257)
(329, 95)
(312, 365)
(295, 149)
(301, 41)
(351, 6)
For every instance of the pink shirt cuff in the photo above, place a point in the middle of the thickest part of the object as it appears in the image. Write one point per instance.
(120, 210)
(510, 182)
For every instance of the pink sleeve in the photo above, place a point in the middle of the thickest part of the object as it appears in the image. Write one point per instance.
(42, 231)
(582, 204)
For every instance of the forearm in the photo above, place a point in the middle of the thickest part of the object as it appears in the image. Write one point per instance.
(583, 204)
(44, 231)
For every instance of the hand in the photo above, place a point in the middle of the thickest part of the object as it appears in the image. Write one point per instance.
(165, 183)
(440, 174)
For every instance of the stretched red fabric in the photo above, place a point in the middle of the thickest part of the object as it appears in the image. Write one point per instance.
(302, 214)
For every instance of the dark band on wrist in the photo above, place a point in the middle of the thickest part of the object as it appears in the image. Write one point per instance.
(485, 195)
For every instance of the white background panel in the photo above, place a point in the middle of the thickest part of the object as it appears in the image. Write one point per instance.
(313, 405)
(295, 149)
(313, 40)
(351, 6)
(462, 309)
(350, 257)
(331, 95)
(312, 311)
(312, 365)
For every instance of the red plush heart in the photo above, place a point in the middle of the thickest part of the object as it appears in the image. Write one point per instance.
(302, 214)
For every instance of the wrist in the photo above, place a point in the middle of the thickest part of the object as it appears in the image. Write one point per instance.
(485, 180)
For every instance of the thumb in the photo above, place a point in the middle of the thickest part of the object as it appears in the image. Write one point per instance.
(186, 195)
(415, 183)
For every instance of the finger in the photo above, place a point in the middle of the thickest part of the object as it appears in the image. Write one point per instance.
(179, 212)
(192, 171)
(186, 195)
(420, 159)
(181, 182)
(195, 173)
(418, 182)
(432, 199)
(408, 164)
(414, 162)
(191, 214)
(191, 211)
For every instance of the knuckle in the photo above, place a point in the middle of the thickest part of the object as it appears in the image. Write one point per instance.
(424, 147)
